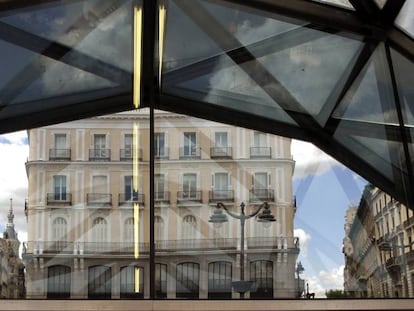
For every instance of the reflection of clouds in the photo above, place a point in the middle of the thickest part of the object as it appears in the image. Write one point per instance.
(325, 280)
(310, 160)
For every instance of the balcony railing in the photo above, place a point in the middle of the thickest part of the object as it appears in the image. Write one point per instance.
(99, 154)
(280, 244)
(99, 199)
(262, 195)
(162, 153)
(189, 196)
(190, 153)
(127, 154)
(393, 263)
(221, 152)
(130, 198)
(260, 152)
(221, 196)
(196, 244)
(59, 154)
(59, 199)
(162, 197)
(409, 222)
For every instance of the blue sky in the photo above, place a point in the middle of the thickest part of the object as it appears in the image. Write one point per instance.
(324, 189)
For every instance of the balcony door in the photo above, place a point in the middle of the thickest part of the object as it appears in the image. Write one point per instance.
(189, 186)
(59, 187)
(221, 185)
(159, 145)
(60, 145)
(190, 144)
(99, 145)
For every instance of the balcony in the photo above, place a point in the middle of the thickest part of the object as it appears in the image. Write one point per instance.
(274, 243)
(162, 197)
(103, 199)
(409, 222)
(162, 153)
(59, 154)
(221, 152)
(127, 154)
(221, 196)
(262, 195)
(48, 247)
(189, 196)
(190, 153)
(393, 263)
(131, 198)
(59, 199)
(99, 154)
(196, 244)
(261, 152)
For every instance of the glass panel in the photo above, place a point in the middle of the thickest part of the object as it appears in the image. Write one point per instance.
(403, 69)
(370, 97)
(297, 61)
(85, 26)
(405, 18)
(341, 3)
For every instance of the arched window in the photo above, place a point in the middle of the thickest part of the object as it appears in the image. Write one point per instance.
(159, 228)
(132, 282)
(59, 233)
(100, 234)
(189, 229)
(219, 280)
(160, 280)
(261, 272)
(188, 276)
(58, 282)
(99, 282)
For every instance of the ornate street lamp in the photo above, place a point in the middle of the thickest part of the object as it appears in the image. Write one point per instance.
(219, 217)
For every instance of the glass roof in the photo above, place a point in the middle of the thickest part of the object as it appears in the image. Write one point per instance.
(312, 70)
(405, 19)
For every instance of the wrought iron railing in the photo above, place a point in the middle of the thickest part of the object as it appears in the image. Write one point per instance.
(221, 152)
(260, 152)
(69, 247)
(99, 199)
(189, 196)
(59, 154)
(127, 154)
(221, 196)
(262, 195)
(162, 197)
(162, 153)
(100, 154)
(59, 198)
(190, 153)
(130, 198)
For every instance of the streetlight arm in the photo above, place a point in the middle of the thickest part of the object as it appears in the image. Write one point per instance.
(234, 215)
(258, 210)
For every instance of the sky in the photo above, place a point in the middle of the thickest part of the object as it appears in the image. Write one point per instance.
(323, 187)
(324, 190)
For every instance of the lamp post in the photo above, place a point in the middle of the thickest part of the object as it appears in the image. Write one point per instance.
(218, 217)
(299, 270)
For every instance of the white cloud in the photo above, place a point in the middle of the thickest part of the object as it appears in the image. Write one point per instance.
(325, 280)
(304, 239)
(13, 178)
(310, 160)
